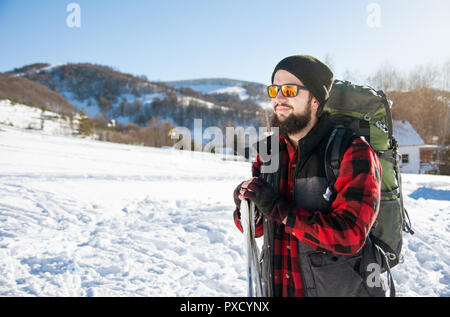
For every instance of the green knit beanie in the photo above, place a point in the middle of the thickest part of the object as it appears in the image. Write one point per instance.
(314, 74)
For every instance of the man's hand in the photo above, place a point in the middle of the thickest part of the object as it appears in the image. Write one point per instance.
(236, 193)
(260, 192)
(265, 198)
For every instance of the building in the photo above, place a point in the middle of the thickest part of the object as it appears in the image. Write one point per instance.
(416, 156)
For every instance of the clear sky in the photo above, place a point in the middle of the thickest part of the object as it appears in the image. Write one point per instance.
(239, 39)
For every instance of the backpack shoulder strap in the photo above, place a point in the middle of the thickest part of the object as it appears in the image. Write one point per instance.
(339, 141)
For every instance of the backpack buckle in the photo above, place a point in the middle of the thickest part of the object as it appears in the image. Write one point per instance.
(391, 256)
(380, 125)
(328, 193)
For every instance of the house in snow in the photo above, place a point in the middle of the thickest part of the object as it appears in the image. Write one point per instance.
(416, 156)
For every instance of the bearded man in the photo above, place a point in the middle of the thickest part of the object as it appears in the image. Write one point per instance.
(314, 244)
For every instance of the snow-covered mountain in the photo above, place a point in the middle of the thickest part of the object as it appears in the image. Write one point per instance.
(102, 90)
(243, 89)
(89, 218)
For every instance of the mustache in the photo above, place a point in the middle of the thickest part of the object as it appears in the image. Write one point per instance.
(283, 105)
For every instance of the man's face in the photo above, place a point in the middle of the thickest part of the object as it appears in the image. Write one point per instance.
(291, 114)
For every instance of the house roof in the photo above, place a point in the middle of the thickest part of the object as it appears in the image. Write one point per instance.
(405, 134)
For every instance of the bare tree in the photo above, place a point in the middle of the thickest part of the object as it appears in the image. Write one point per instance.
(445, 76)
(423, 76)
(386, 78)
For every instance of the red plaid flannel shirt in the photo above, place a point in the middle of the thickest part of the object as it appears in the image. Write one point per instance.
(342, 231)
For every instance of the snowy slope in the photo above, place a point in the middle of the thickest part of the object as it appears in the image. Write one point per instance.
(239, 91)
(212, 88)
(25, 117)
(224, 86)
(87, 218)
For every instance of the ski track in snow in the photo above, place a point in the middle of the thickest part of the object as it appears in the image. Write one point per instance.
(89, 218)
(60, 246)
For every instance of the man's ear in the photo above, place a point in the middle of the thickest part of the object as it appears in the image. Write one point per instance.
(315, 103)
(315, 107)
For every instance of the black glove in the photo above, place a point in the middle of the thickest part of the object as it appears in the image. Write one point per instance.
(269, 202)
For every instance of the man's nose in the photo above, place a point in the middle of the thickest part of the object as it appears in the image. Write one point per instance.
(279, 98)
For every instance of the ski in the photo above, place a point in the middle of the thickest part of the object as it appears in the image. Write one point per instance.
(251, 250)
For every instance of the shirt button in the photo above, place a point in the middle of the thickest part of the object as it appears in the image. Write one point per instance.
(288, 247)
(293, 233)
(287, 276)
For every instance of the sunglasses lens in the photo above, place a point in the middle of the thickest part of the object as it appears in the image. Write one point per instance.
(289, 90)
(273, 91)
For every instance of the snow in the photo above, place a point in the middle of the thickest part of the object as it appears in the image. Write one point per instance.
(201, 88)
(89, 218)
(426, 270)
(51, 67)
(185, 100)
(47, 68)
(239, 91)
(215, 89)
(91, 108)
(84, 218)
(25, 117)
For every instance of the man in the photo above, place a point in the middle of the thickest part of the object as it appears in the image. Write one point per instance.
(314, 244)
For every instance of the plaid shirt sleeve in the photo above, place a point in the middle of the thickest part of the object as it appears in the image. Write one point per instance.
(353, 212)
(259, 227)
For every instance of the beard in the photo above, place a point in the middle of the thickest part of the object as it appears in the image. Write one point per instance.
(293, 123)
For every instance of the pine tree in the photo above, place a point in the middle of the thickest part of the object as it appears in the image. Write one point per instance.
(85, 126)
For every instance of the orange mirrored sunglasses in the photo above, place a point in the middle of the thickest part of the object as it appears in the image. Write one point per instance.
(288, 90)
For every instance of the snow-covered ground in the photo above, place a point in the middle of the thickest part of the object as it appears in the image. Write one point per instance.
(88, 218)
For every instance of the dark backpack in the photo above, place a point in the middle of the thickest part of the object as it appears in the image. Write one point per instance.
(362, 111)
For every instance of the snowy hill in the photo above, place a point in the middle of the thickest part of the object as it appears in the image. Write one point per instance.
(26, 117)
(243, 89)
(22, 90)
(213, 86)
(90, 218)
(105, 91)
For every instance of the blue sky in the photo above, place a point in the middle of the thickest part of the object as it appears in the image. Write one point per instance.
(240, 39)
